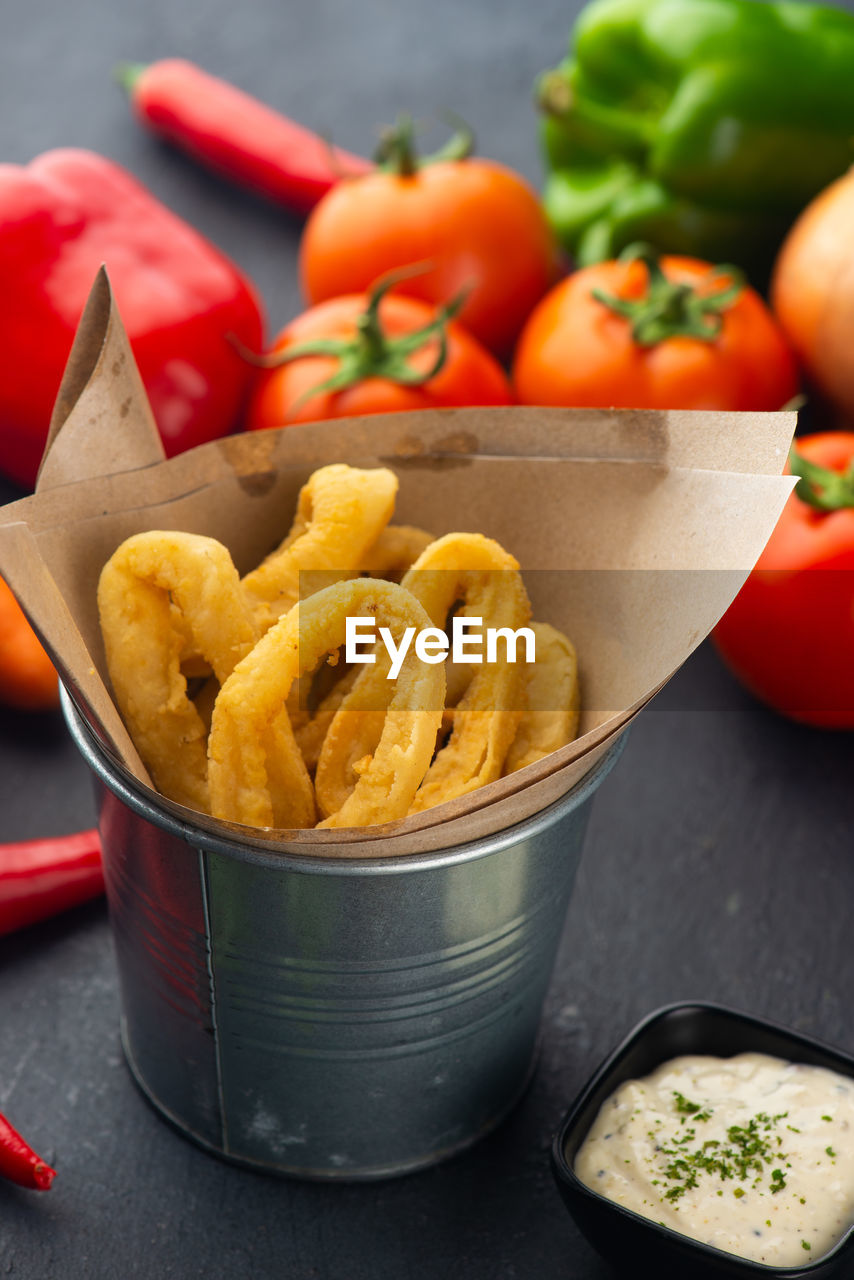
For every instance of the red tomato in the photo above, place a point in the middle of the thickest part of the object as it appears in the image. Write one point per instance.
(789, 634)
(575, 350)
(478, 224)
(469, 376)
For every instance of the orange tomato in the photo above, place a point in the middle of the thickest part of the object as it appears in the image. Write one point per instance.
(286, 394)
(27, 676)
(478, 225)
(812, 292)
(575, 350)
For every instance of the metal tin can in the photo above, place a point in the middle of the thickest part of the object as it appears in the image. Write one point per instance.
(328, 1018)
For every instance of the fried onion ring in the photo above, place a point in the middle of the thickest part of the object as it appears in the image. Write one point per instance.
(341, 511)
(551, 718)
(395, 550)
(464, 566)
(244, 733)
(310, 734)
(476, 569)
(150, 582)
(391, 555)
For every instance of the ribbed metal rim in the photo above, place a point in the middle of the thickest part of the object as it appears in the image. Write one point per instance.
(318, 864)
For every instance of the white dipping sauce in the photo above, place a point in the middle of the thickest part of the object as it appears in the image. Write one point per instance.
(750, 1154)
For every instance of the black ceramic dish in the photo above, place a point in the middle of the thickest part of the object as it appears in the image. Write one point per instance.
(637, 1246)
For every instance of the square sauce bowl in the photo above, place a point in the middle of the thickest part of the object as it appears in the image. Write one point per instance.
(636, 1245)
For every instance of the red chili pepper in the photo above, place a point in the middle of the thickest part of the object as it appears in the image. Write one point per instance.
(236, 135)
(61, 217)
(40, 878)
(19, 1163)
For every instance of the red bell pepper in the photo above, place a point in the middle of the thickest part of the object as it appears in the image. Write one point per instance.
(234, 134)
(180, 299)
(40, 878)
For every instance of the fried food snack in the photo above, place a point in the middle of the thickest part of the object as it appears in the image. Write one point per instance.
(395, 550)
(311, 732)
(250, 730)
(391, 555)
(271, 712)
(341, 512)
(550, 720)
(157, 588)
(477, 570)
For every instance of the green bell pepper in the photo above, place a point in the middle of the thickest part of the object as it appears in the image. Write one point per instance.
(700, 126)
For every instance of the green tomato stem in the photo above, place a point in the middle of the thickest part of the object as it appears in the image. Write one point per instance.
(821, 488)
(371, 353)
(670, 310)
(397, 152)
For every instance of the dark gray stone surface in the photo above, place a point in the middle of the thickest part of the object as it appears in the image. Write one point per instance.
(718, 863)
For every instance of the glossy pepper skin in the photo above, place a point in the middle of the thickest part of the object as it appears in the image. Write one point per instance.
(61, 217)
(700, 126)
(235, 135)
(39, 878)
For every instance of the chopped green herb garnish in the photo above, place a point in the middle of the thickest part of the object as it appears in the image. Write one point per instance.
(746, 1152)
(830, 1151)
(690, 1108)
(828, 1118)
(805, 1244)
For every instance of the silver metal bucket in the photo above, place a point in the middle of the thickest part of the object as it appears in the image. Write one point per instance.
(327, 1018)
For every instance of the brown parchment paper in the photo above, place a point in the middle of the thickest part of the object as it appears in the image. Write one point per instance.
(634, 530)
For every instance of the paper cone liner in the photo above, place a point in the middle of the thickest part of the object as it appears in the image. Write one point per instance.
(634, 531)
